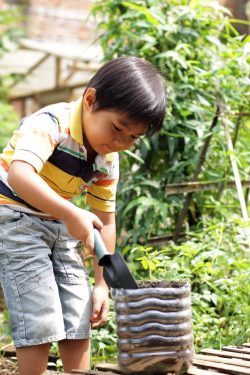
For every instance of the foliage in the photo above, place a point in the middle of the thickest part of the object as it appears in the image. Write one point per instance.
(205, 63)
(10, 32)
(5, 331)
(103, 342)
(216, 261)
(9, 122)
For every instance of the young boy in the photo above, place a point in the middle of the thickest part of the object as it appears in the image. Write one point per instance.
(61, 151)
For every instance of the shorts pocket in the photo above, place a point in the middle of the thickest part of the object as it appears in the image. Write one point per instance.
(9, 218)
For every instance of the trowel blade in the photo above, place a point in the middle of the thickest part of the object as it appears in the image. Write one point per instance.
(116, 272)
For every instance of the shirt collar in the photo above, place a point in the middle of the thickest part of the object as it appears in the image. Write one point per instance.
(76, 126)
(75, 120)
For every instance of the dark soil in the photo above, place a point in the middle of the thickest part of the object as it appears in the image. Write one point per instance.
(160, 284)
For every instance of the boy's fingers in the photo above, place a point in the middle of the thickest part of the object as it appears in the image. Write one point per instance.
(90, 241)
(96, 312)
(97, 223)
(99, 317)
(104, 314)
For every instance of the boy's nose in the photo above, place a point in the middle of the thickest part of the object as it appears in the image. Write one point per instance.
(123, 142)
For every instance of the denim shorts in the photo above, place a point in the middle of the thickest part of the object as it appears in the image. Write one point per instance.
(45, 283)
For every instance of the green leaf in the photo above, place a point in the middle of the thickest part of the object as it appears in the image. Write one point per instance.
(134, 156)
(142, 9)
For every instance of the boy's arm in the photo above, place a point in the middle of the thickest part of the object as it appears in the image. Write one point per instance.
(101, 292)
(23, 178)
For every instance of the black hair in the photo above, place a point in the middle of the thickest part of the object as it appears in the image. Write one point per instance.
(133, 86)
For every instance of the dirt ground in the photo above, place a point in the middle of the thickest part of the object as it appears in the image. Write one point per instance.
(7, 367)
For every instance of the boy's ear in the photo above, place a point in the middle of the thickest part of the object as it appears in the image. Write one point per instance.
(89, 99)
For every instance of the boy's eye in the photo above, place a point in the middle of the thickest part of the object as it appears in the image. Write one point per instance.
(116, 128)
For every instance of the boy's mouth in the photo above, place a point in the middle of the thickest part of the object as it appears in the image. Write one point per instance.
(107, 148)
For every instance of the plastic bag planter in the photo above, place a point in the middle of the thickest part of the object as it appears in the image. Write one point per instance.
(154, 328)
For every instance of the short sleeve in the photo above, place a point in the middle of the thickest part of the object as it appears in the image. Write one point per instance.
(37, 138)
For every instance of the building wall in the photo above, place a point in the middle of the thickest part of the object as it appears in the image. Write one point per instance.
(67, 21)
(60, 20)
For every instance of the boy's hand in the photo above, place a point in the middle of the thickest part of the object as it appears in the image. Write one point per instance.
(80, 225)
(100, 305)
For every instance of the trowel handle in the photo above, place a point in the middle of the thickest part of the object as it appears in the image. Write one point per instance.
(99, 245)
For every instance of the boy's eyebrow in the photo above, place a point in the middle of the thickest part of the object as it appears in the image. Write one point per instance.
(125, 123)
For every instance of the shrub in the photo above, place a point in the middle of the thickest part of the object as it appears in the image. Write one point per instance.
(206, 64)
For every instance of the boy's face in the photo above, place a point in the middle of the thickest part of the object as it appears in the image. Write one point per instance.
(108, 131)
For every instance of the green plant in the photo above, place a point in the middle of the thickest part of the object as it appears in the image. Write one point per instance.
(205, 63)
(10, 32)
(5, 329)
(103, 342)
(9, 122)
(216, 261)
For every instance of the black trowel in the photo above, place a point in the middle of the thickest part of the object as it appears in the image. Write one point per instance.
(115, 270)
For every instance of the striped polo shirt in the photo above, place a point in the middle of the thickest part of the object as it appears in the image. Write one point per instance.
(51, 140)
